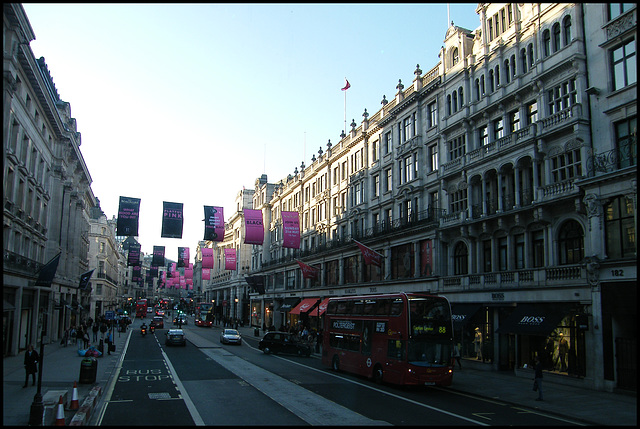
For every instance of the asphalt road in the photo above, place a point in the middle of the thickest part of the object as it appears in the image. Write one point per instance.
(218, 384)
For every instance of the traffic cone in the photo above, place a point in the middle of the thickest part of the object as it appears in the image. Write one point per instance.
(74, 398)
(60, 421)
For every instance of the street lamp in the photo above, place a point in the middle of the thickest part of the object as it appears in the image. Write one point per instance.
(235, 308)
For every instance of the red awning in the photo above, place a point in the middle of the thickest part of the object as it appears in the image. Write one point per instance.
(323, 306)
(304, 306)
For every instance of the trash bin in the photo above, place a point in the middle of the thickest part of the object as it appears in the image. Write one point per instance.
(88, 370)
(256, 332)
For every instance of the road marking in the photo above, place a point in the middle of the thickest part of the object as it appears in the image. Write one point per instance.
(483, 415)
(197, 419)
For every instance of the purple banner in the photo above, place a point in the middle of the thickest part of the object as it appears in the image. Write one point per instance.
(253, 227)
(128, 215)
(291, 230)
(230, 259)
(133, 258)
(158, 256)
(172, 220)
(213, 223)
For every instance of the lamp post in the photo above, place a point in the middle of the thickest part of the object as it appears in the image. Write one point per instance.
(235, 308)
(37, 406)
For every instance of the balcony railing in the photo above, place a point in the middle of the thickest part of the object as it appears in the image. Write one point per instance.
(626, 155)
(566, 274)
(17, 262)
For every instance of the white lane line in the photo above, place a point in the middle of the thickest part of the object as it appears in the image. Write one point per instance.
(312, 408)
(112, 385)
(197, 419)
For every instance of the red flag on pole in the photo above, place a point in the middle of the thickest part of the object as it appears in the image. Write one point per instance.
(308, 272)
(347, 86)
(370, 255)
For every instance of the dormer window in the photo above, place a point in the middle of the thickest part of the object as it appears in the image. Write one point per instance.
(454, 57)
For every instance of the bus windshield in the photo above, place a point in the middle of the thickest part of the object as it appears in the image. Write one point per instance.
(431, 332)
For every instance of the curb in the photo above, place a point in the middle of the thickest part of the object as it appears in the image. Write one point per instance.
(83, 415)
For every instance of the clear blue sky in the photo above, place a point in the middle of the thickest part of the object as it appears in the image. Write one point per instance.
(189, 103)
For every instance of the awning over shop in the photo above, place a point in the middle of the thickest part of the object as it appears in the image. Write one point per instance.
(304, 306)
(533, 319)
(323, 306)
(288, 304)
(462, 313)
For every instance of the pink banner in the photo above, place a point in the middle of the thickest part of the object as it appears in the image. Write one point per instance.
(230, 259)
(291, 230)
(207, 258)
(206, 274)
(253, 227)
(188, 273)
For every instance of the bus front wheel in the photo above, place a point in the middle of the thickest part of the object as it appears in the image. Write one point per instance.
(377, 374)
(336, 363)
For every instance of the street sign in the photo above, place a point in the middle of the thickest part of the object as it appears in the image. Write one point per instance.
(109, 315)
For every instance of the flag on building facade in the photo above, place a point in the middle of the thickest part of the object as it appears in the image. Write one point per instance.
(308, 272)
(370, 255)
(84, 279)
(347, 85)
(48, 272)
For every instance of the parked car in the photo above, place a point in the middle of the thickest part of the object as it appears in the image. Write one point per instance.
(205, 323)
(159, 322)
(175, 337)
(230, 336)
(283, 342)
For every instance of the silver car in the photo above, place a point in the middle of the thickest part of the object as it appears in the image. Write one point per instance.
(175, 337)
(230, 336)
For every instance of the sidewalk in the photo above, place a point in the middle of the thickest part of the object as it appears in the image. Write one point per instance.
(573, 403)
(61, 367)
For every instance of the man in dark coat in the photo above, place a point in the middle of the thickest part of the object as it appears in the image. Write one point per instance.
(31, 359)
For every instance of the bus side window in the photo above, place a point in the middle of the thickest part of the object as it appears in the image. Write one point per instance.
(383, 307)
(395, 349)
(396, 307)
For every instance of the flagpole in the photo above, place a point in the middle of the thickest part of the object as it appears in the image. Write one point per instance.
(345, 110)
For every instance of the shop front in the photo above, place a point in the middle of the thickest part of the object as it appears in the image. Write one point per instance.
(256, 313)
(554, 332)
(473, 330)
(300, 313)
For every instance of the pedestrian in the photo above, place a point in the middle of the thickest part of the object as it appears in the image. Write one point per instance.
(86, 339)
(79, 336)
(31, 359)
(103, 329)
(109, 342)
(95, 330)
(72, 334)
(456, 354)
(537, 381)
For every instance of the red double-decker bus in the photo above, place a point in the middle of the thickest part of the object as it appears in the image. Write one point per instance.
(401, 338)
(141, 308)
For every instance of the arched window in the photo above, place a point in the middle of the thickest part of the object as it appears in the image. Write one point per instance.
(566, 25)
(513, 65)
(546, 43)
(570, 243)
(523, 59)
(460, 97)
(482, 85)
(477, 85)
(530, 54)
(454, 101)
(556, 37)
(454, 57)
(497, 76)
(448, 104)
(507, 71)
(491, 87)
(460, 259)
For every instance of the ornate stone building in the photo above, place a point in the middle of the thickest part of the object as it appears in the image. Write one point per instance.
(502, 178)
(46, 196)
